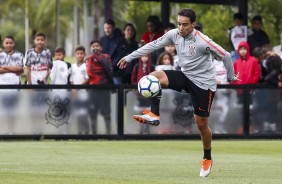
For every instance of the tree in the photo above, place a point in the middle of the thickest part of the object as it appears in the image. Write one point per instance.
(41, 15)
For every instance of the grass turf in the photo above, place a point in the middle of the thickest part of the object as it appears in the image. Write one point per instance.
(141, 162)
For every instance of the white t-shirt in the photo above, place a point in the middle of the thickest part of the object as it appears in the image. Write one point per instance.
(78, 73)
(239, 34)
(39, 63)
(59, 73)
(14, 59)
(221, 72)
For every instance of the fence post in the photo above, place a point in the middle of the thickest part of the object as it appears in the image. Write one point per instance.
(246, 113)
(120, 106)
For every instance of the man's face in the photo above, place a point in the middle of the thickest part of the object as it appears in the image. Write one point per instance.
(59, 56)
(243, 51)
(108, 29)
(39, 42)
(9, 45)
(79, 55)
(185, 26)
(256, 25)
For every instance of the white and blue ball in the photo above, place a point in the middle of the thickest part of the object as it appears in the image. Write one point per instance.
(149, 86)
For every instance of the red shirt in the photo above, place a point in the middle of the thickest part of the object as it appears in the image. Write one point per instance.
(147, 38)
(95, 71)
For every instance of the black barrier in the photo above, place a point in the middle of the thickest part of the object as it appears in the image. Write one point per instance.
(125, 129)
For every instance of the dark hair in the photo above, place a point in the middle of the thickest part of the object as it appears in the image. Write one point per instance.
(134, 30)
(169, 25)
(257, 18)
(266, 48)
(39, 34)
(238, 16)
(80, 48)
(9, 37)
(161, 56)
(110, 22)
(258, 52)
(95, 41)
(273, 63)
(187, 12)
(0, 39)
(155, 20)
(199, 27)
(60, 50)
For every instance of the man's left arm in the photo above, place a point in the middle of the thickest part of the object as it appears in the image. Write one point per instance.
(222, 55)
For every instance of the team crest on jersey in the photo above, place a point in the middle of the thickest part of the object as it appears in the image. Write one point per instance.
(192, 50)
(83, 72)
(57, 114)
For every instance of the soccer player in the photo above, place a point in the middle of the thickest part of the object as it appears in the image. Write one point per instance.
(197, 75)
(38, 61)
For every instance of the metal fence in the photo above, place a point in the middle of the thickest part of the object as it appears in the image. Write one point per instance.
(105, 112)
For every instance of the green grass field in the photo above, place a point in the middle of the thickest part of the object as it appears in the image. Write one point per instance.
(130, 162)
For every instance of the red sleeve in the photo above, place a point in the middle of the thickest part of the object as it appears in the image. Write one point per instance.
(88, 65)
(145, 37)
(134, 75)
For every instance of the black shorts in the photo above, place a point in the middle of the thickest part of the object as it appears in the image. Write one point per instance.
(201, 99)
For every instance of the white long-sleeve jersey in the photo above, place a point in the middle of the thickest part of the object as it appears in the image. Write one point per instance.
(194, 52)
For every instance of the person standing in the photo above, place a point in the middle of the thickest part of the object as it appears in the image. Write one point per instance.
(196, 77)
(99, 70)
(11, 68)
(79, 77)
(128, 45)
(259, 37)
(238, 33)
(111, 45)
(38, 61)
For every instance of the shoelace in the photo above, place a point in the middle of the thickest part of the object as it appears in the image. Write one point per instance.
(206, 164)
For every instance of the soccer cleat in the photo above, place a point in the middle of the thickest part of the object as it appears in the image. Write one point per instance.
(148, 118)
(206, 168)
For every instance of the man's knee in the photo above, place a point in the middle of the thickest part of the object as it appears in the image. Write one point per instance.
(161, 75)
(202, 122)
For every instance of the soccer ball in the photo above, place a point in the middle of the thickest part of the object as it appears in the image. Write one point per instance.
(149, 86)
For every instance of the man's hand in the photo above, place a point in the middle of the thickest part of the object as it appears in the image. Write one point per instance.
(236, 77)
(122, 64)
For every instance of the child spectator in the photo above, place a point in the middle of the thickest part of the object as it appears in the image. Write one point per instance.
(142, 68)
(247, 66)
(78, 69)
(172, 50)
(220, 104)
(11, 68)
(11, 63)
(165, 62)
(99, 70)
(273, 78)
(238, 33)
(38, 61)
(79, 77)
(60, 70)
